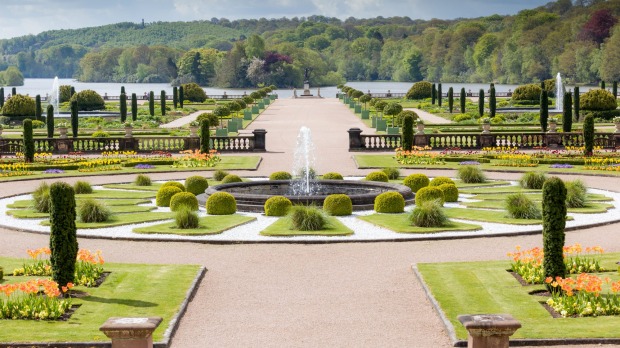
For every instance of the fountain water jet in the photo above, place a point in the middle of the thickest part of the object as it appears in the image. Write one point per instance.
(303, 164)
(54, 99)
(559, 93)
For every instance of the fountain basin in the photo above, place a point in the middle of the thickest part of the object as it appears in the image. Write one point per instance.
(251, 196)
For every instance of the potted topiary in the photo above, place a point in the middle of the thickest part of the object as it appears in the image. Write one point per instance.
(193, 129)
(62, 130)
(486, 125)
(553, 125)
(616, 122)
(128, 130)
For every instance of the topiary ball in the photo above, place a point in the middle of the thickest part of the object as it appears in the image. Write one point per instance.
(338, 205)
(280, 176)
(332, 176)
(429, 193)
(416, 182)
(183, 199)
(218, 175)
(440, 180)
(196, 184)
(390, 202)
(420, 90)
(277, 206)
(164, 194)
(598, 100)
(377, 176)
(450, 192)
(230, 178)
(221, 203)
(174, 184)
(391, 172)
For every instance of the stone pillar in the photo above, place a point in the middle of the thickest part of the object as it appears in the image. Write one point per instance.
(489, 330)
(259, 139)
(553, 139)
(486, 140)
(64, 145)
(617, 140)
(355, 139)
(420, 140)
(131, 332)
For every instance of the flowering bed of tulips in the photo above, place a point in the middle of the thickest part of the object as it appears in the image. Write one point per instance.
(193, 158)
(34, 299)
(419, 155)
(583, 296)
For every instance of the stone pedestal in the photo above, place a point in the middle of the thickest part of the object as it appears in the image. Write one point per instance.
(553, 139)
(63, 145)
(486, 128)
(63, 132)
(355, 139)
(259, 139)
(193, 131)
(128, 132)
(307, 88)
(489, 330)
(420, 127)
(616, 124)
(617, 140)
(486, 140)
(131, 332)
(553, 127)
(420, 140)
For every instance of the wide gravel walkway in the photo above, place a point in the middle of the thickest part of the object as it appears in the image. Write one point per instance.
(309, 295)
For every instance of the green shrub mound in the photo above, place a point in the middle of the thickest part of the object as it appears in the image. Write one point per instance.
(281, 175)
(219, 175)
(186, 218)
(164, 194)
(174, 184)
(391, 172)
(183, 199)
(338, 205)
(533, 180)
(471, 175)
(429, 193)
(82, 187)
(230, 178)
(100, 134)
(303, 218)
(332, 176)
(527, 92)
(520, 206)
(41, 198)
(221, 203)
(196, 184)
(142, 180)
(428, 214)
(597, 100)
(390, 203)
(377, 176)
(211, 119)
(194, 93)
(440, 180)
(450, 192)
(88, 100)
(576, 194)
(277, 206)
(19, 105)
(91, 210)
(400, 118)
(416, 182)
(420, 90)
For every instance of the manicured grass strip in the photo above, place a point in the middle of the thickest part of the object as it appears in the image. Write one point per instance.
(122, 219)
(590, 208)
(237, 162)
(537, 196)
(281, 228)
(208, 225)
(28, 203)
(129, 291)
(502, 189)
(152, 187)
(400, 223)
(115, 194)
(487, 216)
(461, 184)
(486, 287)
(115, 209)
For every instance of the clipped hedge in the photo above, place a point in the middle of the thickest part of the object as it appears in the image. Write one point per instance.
(450, 192)
(420, 90)
(277, 206)
(19, 105)
(230, 178)
(186, 199)
(527, 92)
(88, 100)
(221, 203)
(332, 176)
(63, 233)
(598, 100)
(338, 205)
(416, 182)
(281, 175)
(164, 194)
(194, 93)
(389, 202)
(440, 180)
(196, 184)
(377, 176)
(429, 193)
(174, 184)
(554, 222)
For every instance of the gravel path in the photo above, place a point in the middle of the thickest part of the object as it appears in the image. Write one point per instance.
(180, 122)
(429, 118)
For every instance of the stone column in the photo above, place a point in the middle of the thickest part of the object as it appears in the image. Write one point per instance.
(489, 330)
(259, 139)
(131, 332)
(355, 139)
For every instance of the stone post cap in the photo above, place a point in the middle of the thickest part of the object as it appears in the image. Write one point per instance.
(490, 323)
(259, 131)
(116, 327)
(354, 130)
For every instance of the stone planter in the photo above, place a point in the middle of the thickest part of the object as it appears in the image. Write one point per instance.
(128, 132)
(193, 131)
(486, 128)
(553, 127)
(63, 132)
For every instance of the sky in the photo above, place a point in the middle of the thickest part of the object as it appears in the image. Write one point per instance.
(23, 17)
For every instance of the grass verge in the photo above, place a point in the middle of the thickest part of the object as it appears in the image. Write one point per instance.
(281, 228)
(208, 225)
(122, 219)
(115, 209)
(400, 223)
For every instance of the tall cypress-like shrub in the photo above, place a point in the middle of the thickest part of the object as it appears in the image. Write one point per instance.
(1, 97)
(13, 91)
(63, 238)
(407, 132)
(162, 102)
(614, 89)
(433, 94)
(481, 102)
(576, 103)
(123, 107)
(74, 118)
(544, 110)
(123, 90)
(451, 99)
(602, 84)
(204, 136)
(49, 119)
(492, 102)
(134, 107)
(181, 96)
(567, 112)
(554, 222)
(152, 103)
(588, 134)
(71, 92)
(38, 110)
(175, 96)
(462, 100)
(439, 94)
(28, 141)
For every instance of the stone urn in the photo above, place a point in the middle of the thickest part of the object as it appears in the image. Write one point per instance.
(420, 127)
(128, 131)
(553, 125)
(193, 131)
(616, 123)
(62, 130)
(486, 126)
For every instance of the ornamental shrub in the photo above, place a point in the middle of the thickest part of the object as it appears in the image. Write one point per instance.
(230, 178)
(588, 135)
(38, 111)
(41, 198)
(544, 110)
(164, 194)
(420, 90)
(492, 102)
(407, 141)
(74, 118)
(211, 119)
(554, 222)
(450, 192)
(338, 205)
(205, 142)
(332, 176)
(576, 102)
(529, 92)
(307, 218)
(183, 199)
(389, 202)
(82, 187)
(63, 238)
(462, 100)
(433, 94)
(277, 206)
(392, 172)
(576, 194)
(88, 100)
(151, 103)
(221, 203)
(123, 106)
(186, 218)
(196, 184)
(175, 184)
(377, 176)
(567, 112)
(440, 180)
(416, 182)
(429, 193)
(142, 180)
(175, 97)
(450, 99)
(471, 175)
(520, 206)
(134, 107)
(162, 102)
(19, 105)
(439, 94)
(533, 180)
(28, 141)
(50, 121)
(100, 134)
(481, 102)
(65, 93)
(281, 175)
(219, 175)
(194, 93)
(428, 214)
(181, 96)
(91, 210)
(598, 100)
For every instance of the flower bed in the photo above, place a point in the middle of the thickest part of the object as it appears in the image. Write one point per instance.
(25, 301)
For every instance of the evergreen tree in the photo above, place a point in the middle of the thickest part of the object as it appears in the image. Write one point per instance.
(567, 112)
(588, 135)
(134, 107)
(407, 132)
(576, 103)
(175, 97)
(433, 94)
(544, 110)
(63, 233)
(38, 111)
(28, 141)
(439, 94)
(123, 90)
(602, 84)
(74, 118)
(481, 102)
(492, 102)
(181, 96)
(554, 222)
(1, 97)
(123, 107)
(614, 89)
(152, 103)
(462, 100)
(450, 99)
(50, 121)
(204, 136)
(162, 102)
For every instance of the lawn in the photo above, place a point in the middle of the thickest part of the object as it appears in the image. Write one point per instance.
(400, 223)
(208, 225)
(281, 228)
(122, 219)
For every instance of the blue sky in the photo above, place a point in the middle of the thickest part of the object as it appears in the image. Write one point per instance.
(22, 17)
